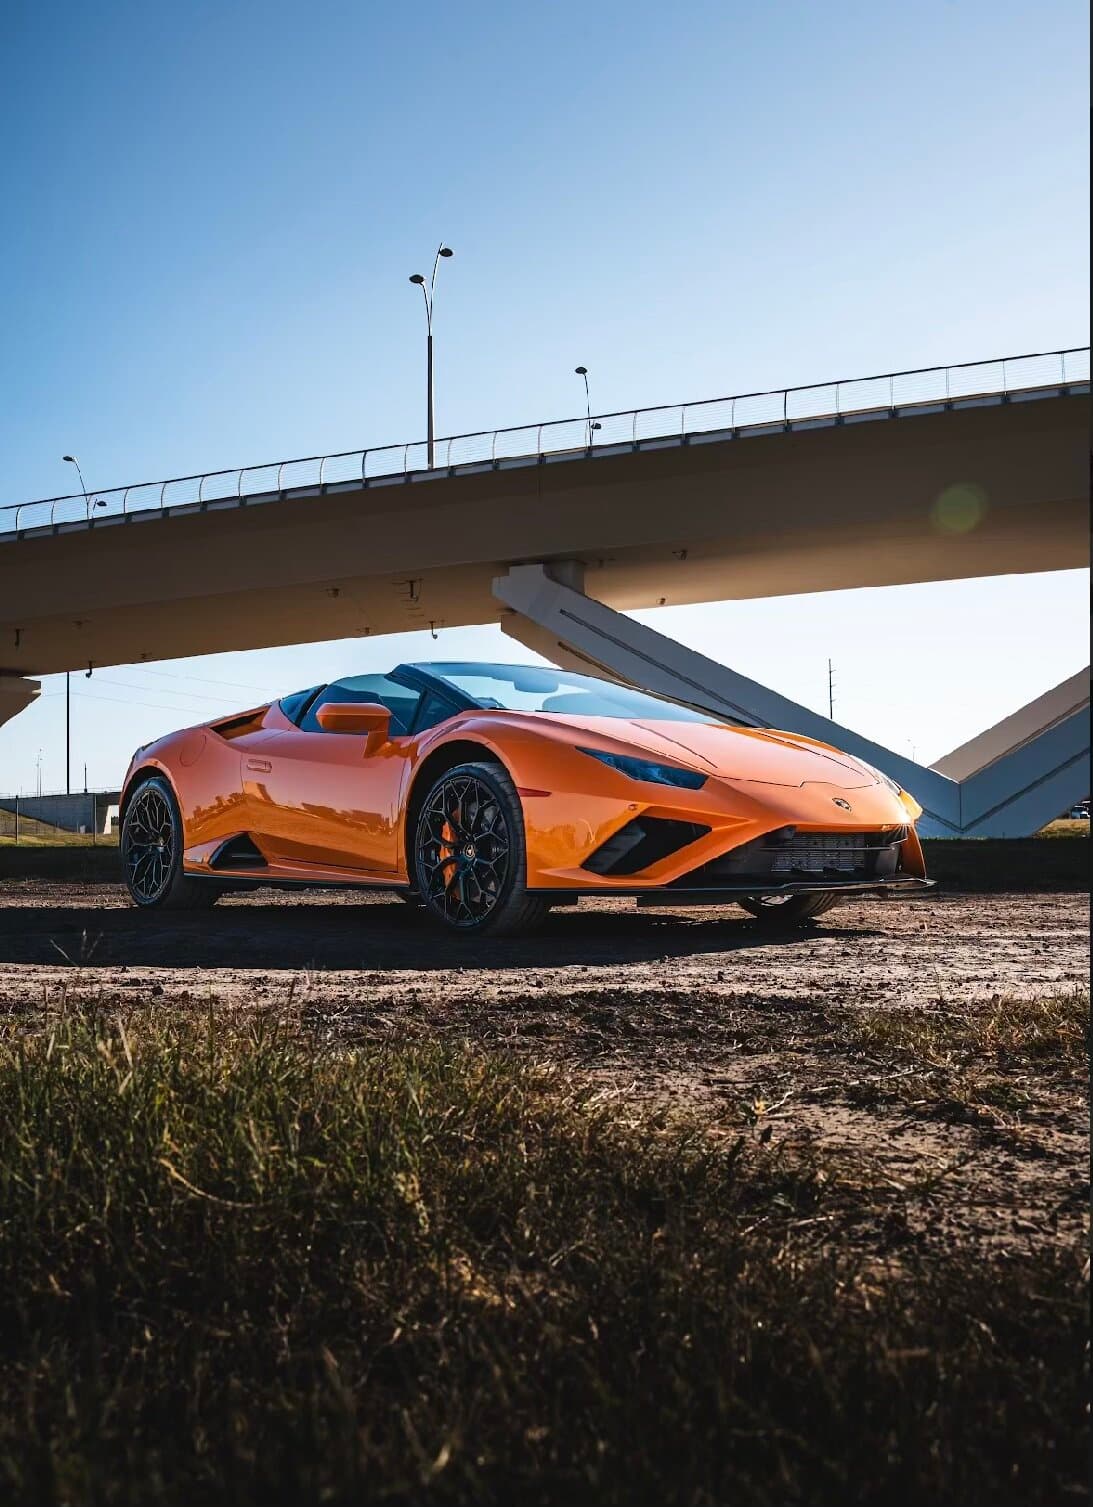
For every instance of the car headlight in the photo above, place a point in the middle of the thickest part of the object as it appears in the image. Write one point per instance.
(643, 769)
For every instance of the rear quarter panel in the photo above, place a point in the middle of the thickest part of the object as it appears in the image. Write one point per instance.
(203, 771)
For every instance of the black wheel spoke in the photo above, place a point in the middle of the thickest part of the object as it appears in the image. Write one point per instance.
(462, 850)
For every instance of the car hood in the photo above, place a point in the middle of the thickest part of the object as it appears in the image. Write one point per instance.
(762, 756)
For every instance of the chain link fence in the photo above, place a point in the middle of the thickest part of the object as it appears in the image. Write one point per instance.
(89, 816)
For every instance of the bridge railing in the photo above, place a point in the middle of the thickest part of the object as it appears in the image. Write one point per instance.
(754, 412)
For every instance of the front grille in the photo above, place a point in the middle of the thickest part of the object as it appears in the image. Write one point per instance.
(786, 855)
(640, 843)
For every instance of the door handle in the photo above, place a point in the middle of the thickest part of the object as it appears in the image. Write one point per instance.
(259, 766)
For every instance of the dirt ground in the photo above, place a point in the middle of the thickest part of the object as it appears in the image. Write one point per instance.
(658, 1008)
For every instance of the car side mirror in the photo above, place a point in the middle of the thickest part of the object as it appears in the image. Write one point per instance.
(366, 717)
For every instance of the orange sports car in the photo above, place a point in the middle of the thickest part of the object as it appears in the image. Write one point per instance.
(488, 793)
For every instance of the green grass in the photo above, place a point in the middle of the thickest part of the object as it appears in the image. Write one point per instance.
(236, 1268)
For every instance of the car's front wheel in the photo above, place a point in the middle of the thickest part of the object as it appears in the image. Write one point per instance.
(788, 910)
(470, 859)
(151, 852)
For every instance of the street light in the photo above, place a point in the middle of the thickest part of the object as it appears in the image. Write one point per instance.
(99, 503)
(582, 371)
(428, 291)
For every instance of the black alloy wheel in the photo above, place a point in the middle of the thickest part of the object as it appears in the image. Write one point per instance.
(149, 844)
(469, 855)
(151, 851)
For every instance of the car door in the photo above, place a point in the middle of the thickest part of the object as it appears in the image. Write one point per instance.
(320, 799)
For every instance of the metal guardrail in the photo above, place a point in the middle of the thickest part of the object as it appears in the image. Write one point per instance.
(777, 410)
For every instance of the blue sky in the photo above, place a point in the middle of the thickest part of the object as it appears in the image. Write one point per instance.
(213, 211)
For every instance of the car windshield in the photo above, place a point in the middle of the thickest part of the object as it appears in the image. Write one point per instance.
(535, 688)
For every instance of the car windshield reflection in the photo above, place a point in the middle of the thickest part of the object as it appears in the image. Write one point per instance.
(541, 688)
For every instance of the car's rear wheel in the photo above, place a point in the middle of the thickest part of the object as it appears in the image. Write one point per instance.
(151, 852)
(788, 910)
(470, 859)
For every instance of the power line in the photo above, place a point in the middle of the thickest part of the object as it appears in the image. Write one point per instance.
(205, 680)
(193, 695)
(132, 686)
(201, 679)
(158, 706)
(133, 701)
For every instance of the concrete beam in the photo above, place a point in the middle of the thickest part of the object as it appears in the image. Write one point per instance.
(714, 518)
(1014, 795)
(1061, 702)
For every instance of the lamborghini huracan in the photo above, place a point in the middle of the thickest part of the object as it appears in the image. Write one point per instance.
(485, 794)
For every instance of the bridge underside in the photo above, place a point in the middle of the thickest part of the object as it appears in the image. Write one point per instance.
(1008, 782)
(974, 492)
(986, 487)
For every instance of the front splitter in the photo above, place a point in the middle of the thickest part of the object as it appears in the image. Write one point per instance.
(725, 895)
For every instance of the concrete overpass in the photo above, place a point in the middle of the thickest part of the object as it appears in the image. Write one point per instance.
(952, 473)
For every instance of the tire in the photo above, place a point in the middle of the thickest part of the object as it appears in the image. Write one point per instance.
(777, 911)
(470, 855)
(151, 851)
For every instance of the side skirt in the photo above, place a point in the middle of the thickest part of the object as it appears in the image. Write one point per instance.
(232, 879)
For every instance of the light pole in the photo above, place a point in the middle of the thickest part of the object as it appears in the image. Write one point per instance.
(582, 371)
(428, 290)
(72, 461)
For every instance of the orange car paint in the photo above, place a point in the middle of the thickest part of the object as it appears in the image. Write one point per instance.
(262, 776)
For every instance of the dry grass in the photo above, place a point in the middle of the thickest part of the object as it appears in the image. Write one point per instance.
(237, 1269)
(987, 1066)
(56, 839)
(1053, 1027)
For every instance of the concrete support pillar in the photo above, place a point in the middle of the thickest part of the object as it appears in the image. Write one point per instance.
(1047, 711)
(543, 639)
(1007, 783)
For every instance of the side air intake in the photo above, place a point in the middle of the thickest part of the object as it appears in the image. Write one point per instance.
(237, 853)
(245, 722)
(641, 843)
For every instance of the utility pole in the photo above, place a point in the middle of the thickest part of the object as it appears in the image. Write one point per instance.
(830, 691)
